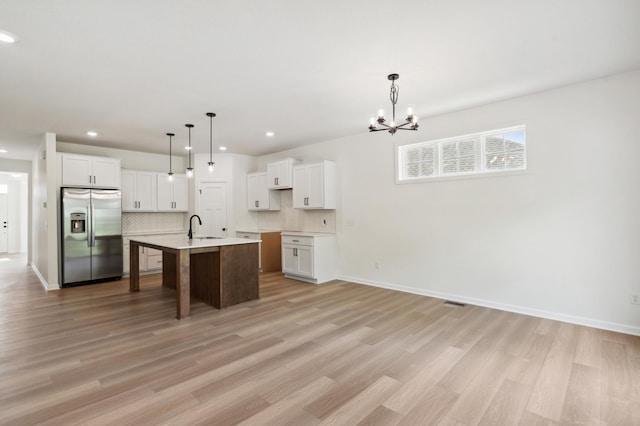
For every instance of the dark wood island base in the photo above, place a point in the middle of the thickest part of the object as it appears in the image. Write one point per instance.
(236, 266)
(220, 272)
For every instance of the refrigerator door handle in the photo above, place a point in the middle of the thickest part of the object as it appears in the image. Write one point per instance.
(92, 226)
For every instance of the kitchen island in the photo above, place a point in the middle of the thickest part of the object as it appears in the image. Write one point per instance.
(219, 271)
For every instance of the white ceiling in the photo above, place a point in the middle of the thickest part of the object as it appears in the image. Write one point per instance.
(308, 70)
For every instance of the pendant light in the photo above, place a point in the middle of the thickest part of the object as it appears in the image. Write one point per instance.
(171, 135)
(189, 169)
(211, 163)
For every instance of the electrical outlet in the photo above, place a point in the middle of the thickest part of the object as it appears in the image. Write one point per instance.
(635, 299)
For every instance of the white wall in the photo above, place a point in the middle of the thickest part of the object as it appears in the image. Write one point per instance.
(133, 160)
(44, 233)
(559, 241)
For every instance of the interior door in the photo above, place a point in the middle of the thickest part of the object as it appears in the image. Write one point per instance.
(213, 209)
(4, 231)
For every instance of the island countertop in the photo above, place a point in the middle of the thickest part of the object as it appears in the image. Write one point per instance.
(182, 242)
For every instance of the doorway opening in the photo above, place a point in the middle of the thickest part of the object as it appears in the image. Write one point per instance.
(14, 212)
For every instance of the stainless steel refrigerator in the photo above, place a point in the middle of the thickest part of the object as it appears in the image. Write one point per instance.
(91, 235)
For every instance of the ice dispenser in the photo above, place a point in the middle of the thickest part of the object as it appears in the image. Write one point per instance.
(78, 223)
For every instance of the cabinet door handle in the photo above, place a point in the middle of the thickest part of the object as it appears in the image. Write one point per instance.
(296, 241)
(295, 252)
(256, 203)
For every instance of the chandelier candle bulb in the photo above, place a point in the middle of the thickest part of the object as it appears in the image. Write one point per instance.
(380, 113)
(410, 111)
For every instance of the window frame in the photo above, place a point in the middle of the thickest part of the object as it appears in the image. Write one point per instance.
(437, 144)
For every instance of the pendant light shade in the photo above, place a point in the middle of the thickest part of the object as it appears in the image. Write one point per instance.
(211, 163)
(190, 168)
(171, 135)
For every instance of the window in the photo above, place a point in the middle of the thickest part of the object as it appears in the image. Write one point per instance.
(501, 150)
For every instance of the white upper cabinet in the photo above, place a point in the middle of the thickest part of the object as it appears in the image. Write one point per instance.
(314, 186)
(279, 174)
(89, 171)
(259, 197)
(139, 192)
(172, 195)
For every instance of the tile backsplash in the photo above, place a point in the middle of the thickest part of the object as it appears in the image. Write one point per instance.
(290, 219)
(133, 223)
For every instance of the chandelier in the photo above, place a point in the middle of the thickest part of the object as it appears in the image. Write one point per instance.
(380, 123)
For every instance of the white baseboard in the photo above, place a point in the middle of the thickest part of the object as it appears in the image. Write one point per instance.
(41, 278)
(604, 325)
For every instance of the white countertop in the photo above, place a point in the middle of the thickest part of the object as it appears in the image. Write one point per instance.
(307, 234)
(181, 242)
(150, 233)
(257, 231)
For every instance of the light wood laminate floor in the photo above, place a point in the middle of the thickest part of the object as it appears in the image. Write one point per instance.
(340, 353)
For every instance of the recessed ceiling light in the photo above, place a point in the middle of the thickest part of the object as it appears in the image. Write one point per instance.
(222, 148)
(3, 151)
(270, 134)
(6, 37)
(92, 133)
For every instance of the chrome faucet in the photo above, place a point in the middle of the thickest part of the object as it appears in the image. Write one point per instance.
(190, 234)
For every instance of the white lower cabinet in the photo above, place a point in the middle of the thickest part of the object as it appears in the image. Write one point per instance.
(149, 260)
(309, 257)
